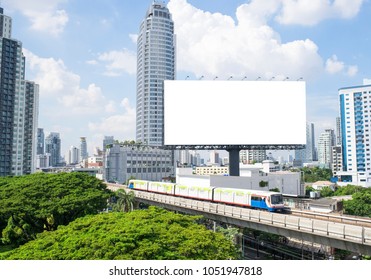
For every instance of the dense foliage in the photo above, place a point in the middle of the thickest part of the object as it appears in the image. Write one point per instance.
(314, 174)
(142, 234)
(360, 204)
(34, 203)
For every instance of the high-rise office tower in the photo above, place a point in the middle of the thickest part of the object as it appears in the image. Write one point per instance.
(355, 119)
(18, 107)
(308, 154)
(83, 148)
(53, 147)
(40, 148)
(108, 140)
(155, 63)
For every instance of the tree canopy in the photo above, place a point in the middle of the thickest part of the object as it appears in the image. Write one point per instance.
(313, 174)
(33, 203)
(360, 204)
(152, 234)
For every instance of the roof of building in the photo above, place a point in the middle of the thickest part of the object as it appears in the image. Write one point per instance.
(323, 183)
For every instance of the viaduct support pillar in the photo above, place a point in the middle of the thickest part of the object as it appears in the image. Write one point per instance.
(234, 161)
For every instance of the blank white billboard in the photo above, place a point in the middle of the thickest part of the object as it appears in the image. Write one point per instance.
(234, 112)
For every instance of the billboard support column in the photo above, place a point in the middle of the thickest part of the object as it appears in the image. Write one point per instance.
(234, 161)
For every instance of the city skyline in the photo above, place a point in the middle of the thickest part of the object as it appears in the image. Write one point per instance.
(87, 76)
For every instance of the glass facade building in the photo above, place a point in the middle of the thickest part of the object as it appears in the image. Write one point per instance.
(155, 63)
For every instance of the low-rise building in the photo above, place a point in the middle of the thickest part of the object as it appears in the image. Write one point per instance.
(125, 161)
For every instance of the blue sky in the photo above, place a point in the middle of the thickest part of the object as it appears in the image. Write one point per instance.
(83, 54)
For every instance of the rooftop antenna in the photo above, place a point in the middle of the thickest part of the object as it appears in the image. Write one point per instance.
(244, 78)
(201, 77)
(230, 78)
(215, 77)
(258, 78)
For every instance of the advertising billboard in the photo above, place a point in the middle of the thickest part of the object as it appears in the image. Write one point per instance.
(234, 112)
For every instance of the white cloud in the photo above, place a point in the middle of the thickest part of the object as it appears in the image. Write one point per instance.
(51, 74)
(333, 65)
(366, 81)
(44, 15)
(352, 70)
(92, 62)
(57, 81)
(119, 62)
(212, 44)
(311, 12)
(121, 125)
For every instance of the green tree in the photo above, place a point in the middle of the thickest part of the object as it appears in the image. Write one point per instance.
(313, 174)
(34, 203)
(124, 201)
(360, 204)
(347, 190)
(326, 191)
(153, 234)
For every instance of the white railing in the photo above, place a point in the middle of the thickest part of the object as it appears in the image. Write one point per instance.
(353, 233)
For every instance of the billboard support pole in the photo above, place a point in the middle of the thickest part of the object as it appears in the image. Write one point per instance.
(234, 161)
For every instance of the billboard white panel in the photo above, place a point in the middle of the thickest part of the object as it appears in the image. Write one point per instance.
(234, 112)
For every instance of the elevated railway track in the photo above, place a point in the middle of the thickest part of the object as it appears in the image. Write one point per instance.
(339, 231)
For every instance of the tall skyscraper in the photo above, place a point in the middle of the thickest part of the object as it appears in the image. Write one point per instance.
(40, 141)
(325, 143)
(18, 107)
(83, 148)
(53, 147)
(155, 63)
(73, 155)
(108, 140)
(308, 154)
(355, 119)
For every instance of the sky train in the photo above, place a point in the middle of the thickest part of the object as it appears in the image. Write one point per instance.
(271, 201)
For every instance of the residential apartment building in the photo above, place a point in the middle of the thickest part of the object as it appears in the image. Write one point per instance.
(73, 155)
(252, 156)
(155, 63)
(325, 143)
(19, 101)
(355, 118)
(337, 160)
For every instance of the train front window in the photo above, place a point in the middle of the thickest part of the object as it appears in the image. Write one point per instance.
(277, 199)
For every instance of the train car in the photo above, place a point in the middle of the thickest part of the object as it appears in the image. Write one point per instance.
(161, 187)
(196, 192)
(138, 185)
(271, 201)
